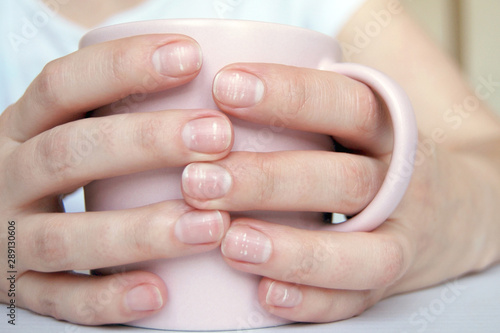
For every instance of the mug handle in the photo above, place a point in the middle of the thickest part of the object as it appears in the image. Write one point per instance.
(404, 149)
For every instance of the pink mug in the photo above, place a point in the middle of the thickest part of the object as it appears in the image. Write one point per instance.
(203, 292)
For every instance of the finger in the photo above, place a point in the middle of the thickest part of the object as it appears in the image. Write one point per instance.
(101, 74)
(284, 181)
(355, 261)
(311, 304)
(305, 99)
(99, 239)
(91, 300)
(71, 155)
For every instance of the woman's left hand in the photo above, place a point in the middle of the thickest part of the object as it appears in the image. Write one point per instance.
(435, 233)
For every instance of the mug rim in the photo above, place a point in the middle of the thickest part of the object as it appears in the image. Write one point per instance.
(92, 36)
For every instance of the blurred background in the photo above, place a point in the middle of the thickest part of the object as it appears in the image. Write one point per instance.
(469, 30)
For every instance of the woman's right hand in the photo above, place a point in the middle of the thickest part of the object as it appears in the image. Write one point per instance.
(40, 140)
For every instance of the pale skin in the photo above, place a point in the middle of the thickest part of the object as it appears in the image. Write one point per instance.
(446, 226)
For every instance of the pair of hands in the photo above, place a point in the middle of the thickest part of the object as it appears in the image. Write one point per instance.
(414, 248)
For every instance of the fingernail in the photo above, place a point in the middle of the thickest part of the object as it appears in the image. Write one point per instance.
(205, 181)
(177, 59)
(145, 297)
(246, 244)
(207, 135)
(238, 89)
(283, 295)
(198, 227)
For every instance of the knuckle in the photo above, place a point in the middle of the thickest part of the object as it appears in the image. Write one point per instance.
(44, 299)
(46, 85)
(268, 174)
(370, 115)
(128, 64)
(141, 243)
(393, 263)
(55, 157)
(305, 265)
(359, 180)
(92, 306)
(50, 248)
(148, 136)
(44, 302)
(295, 89)
(49, 305)
(120, 63)
(60, 151)
(146, 234)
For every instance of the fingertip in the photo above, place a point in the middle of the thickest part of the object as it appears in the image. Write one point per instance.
(178, 58)
(237, 88)
(277, 294)
(262, 290)
(142, 293)
(144, 297)
(199, 227)
(281, 299)
(208, 135)
(93, 300)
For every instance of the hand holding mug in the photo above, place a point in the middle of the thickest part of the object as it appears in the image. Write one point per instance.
(318, 275)
(48, 149)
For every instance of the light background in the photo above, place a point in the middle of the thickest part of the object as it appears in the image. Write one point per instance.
(469, 30)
